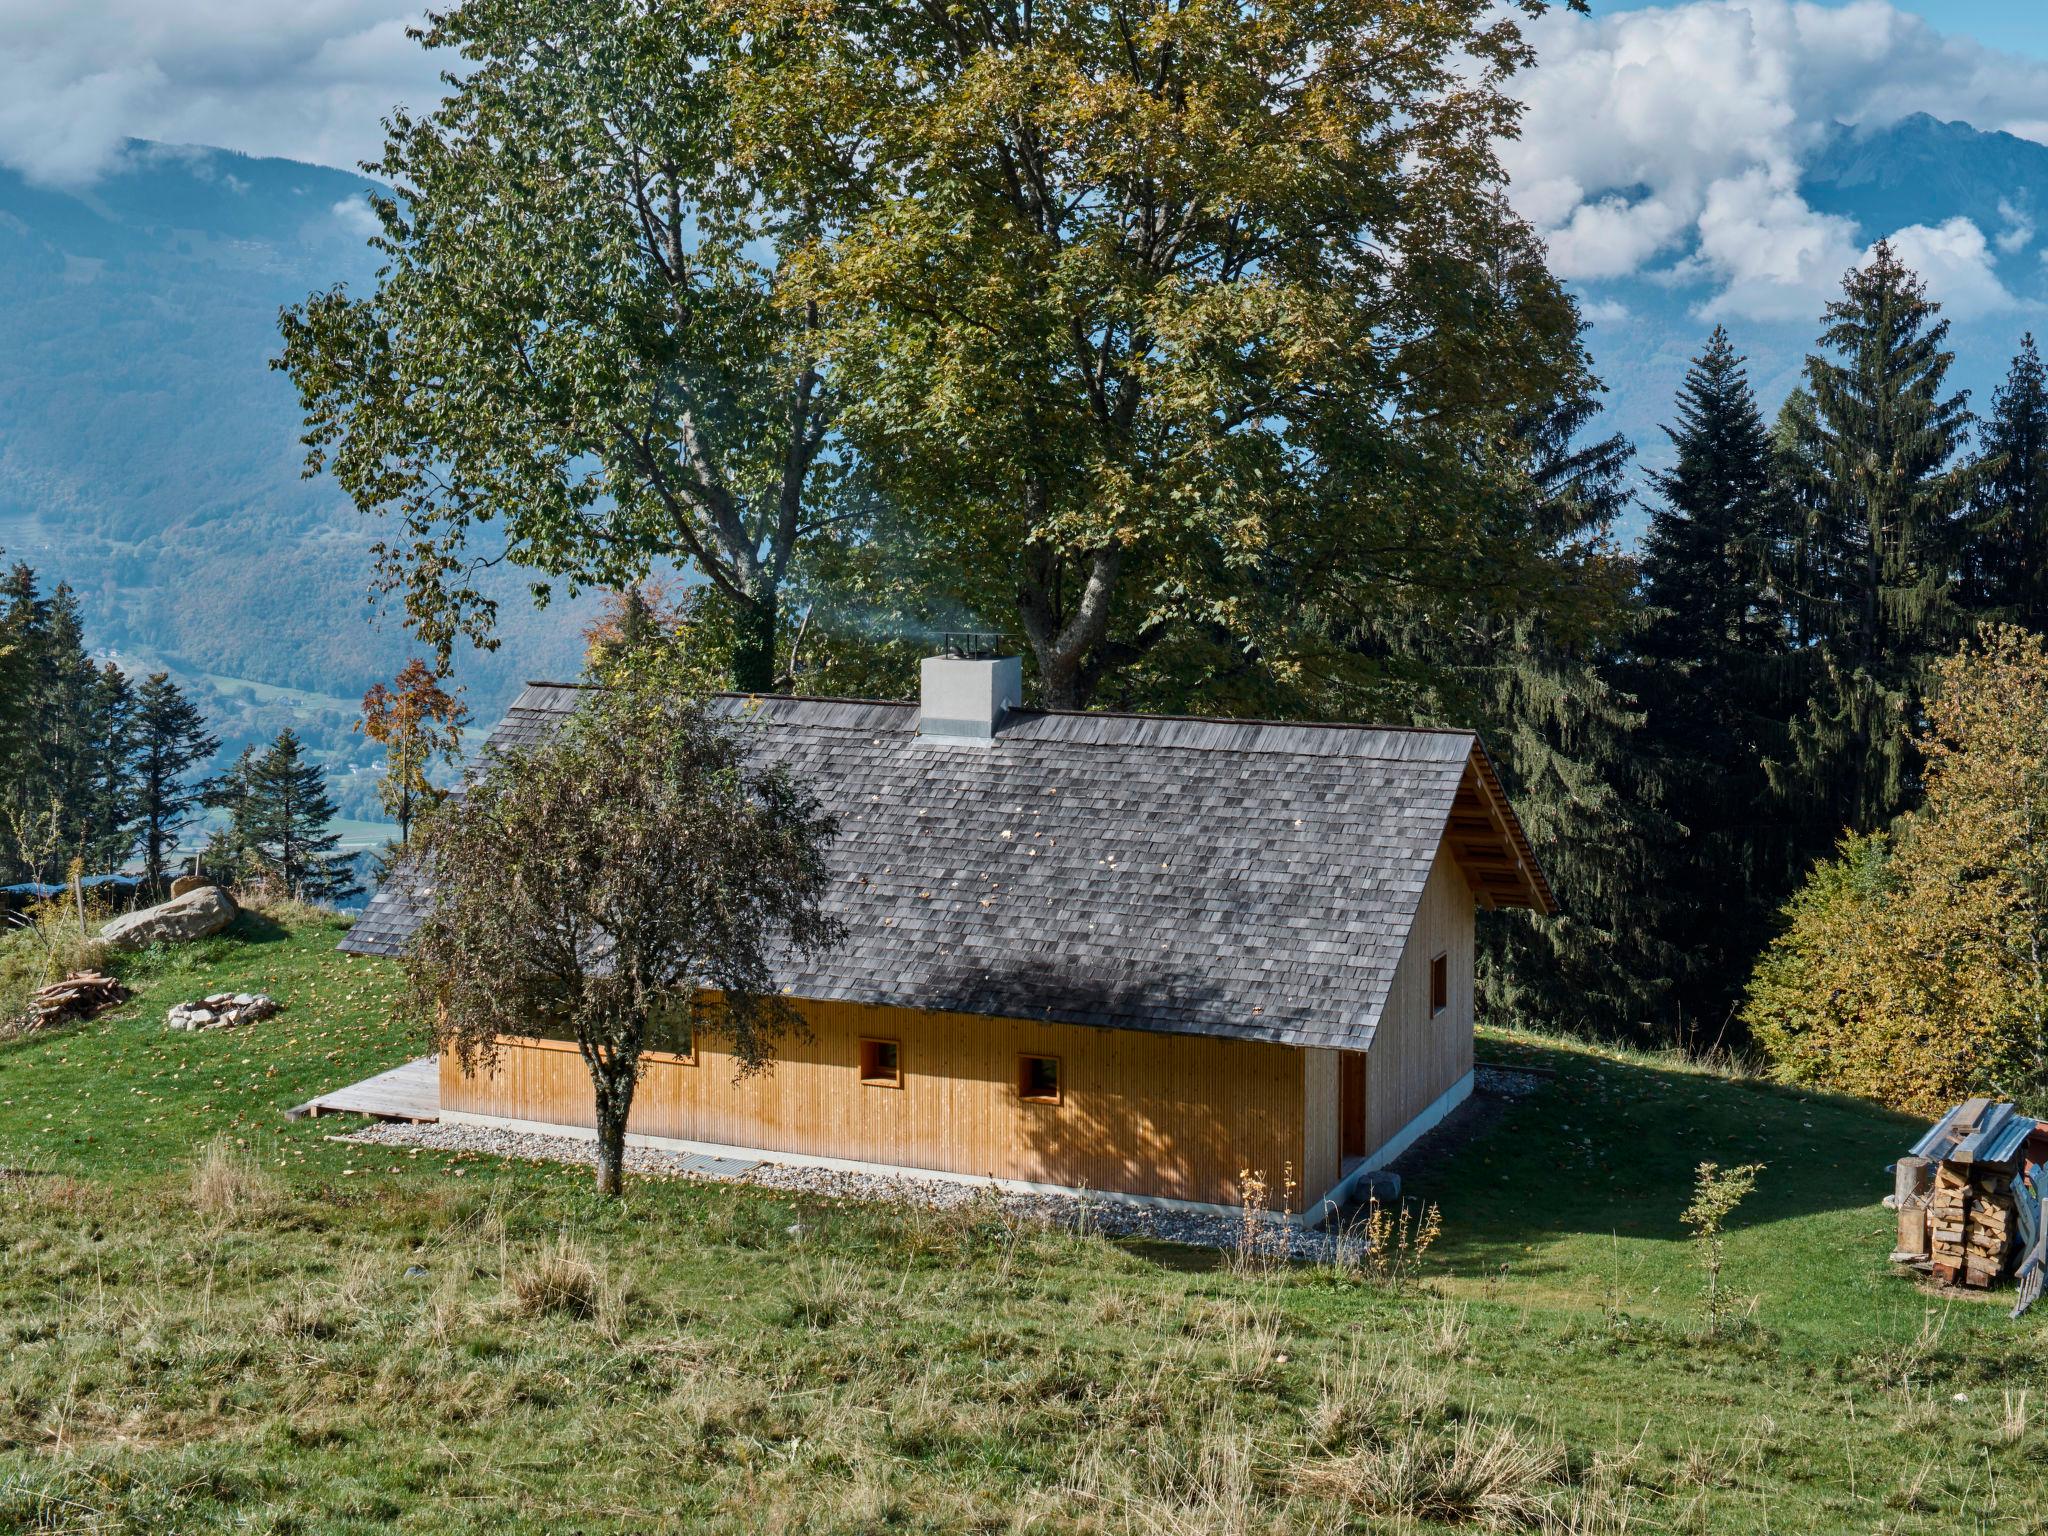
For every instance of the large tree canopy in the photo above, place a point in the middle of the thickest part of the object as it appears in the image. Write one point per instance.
(1153, 316)
(582, 335)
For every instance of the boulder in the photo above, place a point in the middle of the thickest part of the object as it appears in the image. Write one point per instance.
(185, 884)
(194, 915)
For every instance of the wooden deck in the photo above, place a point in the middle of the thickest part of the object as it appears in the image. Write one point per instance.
(411, 1092)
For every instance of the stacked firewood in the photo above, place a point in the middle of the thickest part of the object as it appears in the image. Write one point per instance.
(78, 996)
(1971, 1221)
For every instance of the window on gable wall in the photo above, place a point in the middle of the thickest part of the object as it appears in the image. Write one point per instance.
(1439, 985)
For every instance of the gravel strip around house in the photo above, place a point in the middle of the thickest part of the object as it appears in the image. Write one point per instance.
(1505, 1082)
(1077, 1212)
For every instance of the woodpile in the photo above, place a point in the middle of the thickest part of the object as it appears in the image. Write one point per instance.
(1971, 1222)
(1969, 1200)
(77, 996)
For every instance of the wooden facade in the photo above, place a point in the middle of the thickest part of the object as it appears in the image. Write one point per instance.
(1139, 1113)
(1178, 1116)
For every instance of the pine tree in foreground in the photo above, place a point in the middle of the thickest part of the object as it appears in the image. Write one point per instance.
(171, 740)
(1711, 678)
(1875, 459)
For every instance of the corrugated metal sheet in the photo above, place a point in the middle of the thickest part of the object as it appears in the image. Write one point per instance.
(1977, 1131)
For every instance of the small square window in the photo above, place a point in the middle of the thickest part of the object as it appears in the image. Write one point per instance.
(1038, 1079)
(881, 1064)
(1439, 985)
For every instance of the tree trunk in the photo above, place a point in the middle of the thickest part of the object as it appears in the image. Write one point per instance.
(753, 652)
(613, 1079)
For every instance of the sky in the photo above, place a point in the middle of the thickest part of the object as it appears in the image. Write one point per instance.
(1658, 138)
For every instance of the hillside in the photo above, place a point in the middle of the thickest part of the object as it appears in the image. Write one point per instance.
(149, 456)
(295, 1333)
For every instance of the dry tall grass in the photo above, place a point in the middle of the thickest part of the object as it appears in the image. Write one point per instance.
(227, 1182)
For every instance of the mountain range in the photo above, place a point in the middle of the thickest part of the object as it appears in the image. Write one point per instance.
(149, 455)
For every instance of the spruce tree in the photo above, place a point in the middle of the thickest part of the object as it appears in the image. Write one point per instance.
(1875, 461)
(229, 852)
(2005, 563)
(1711, 677)
(284, 812)
(109, 791)
(171, 740)
(1558, 712)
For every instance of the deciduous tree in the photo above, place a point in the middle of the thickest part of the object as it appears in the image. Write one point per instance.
(1151, 315)
(418, 724)
(1914, 967)
(632, 865)
(581, 346)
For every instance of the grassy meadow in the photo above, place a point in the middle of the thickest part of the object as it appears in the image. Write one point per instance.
(215, 1319)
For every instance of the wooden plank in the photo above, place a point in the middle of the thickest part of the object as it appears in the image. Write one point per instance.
(408, 1092)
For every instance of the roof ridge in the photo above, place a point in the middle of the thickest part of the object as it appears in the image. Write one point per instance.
(1077, 714)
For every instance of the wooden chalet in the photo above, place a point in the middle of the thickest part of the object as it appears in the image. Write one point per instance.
(1133, 953)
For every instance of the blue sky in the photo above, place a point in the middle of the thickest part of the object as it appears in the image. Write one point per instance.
(2016, 26)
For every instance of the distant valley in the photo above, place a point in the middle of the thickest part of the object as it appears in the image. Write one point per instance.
(150, 457)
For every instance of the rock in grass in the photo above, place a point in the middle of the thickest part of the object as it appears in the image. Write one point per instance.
(194, 915)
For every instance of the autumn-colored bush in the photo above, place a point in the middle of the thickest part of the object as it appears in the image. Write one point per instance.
(1913, 967)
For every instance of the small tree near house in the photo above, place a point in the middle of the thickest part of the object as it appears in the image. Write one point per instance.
(418, 724)
(633, 863)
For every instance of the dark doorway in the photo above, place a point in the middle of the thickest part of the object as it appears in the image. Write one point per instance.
(1352, 1103)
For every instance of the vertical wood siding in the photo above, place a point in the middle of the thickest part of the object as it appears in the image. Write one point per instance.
(1415, 1058)
(1149, 1114)
(1322, 1159)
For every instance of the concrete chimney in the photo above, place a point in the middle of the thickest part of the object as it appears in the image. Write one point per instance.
(964, 698)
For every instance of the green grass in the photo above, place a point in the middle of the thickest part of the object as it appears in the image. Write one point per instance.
(213, 1319)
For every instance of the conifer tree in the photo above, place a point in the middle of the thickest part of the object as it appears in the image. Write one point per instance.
(171, 740)
(1711, 676)
(1875, 466)
(109, 799)
(2005, 566)
(281, 819)
(1558, 713)
(229, 852)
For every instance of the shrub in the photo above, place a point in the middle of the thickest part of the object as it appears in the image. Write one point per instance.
(1716, 1194)
(1913, 967)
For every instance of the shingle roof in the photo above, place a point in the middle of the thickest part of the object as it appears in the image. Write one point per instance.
(1195, 876)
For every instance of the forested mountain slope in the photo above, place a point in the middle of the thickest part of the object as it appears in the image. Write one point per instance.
(150, 457)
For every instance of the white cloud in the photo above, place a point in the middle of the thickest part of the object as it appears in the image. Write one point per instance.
(1605, 312)
(2018, 233)
(1954, 259)
(356, 217)
(1669, 141)
(307, 79)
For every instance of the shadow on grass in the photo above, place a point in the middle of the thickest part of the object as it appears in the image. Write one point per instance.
(255, 928)
(1611, 1146)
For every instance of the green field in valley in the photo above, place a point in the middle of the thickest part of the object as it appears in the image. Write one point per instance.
(215, 1319)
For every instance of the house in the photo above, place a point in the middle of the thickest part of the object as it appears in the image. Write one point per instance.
(1134, 953)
